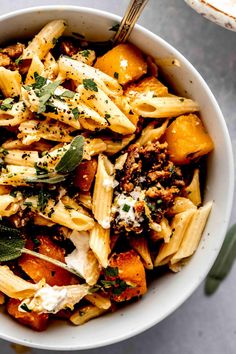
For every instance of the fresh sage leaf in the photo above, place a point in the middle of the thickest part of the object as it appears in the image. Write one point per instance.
(11, 243)
(223, 263)
(12, 247)
(72, 157)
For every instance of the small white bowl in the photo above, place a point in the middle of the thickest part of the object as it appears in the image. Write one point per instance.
(222, 12)
(168, 292)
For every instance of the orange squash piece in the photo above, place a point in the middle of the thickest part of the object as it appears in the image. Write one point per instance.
(34, 320)
(147, 85)
(38, 269)
(124, 62)
(85, 174)
(187, 139)
(131, 270)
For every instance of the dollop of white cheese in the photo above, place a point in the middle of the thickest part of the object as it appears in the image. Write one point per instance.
(124, 63)
(46, 299)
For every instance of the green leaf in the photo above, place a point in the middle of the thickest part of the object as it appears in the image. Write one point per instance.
(40, 81)
(85, 53)
(42, 102)
(12, 247)
(111, 271)
(11, 243)
(7, 104)
(68, 94)
(47, 179)
(90, 84)
(72, 157)
(223, 263)
(49, 89)
(25, 308)
(75, 112)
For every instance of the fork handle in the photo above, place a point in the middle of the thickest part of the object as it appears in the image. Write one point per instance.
(130, 18)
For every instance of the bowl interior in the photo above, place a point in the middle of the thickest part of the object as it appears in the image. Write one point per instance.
(171, 290)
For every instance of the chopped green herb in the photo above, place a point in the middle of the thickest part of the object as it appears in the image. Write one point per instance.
(85, 53)
(68, 94)
(111, 271)
(90, 84)
(126, 207)
(4, 152)
(116, 75)
(40, 170)
(25, 308)
(159, 201)
(18, 60)
(181, 99)
(75, 112)
(36, 242)
(39, 81)
(28, 204)
(43, 198)
(72, 157)
(6, 104)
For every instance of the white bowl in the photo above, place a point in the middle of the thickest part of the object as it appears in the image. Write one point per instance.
(222, 12)
(167, 293)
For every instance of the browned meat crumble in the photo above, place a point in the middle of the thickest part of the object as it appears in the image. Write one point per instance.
(150, 182)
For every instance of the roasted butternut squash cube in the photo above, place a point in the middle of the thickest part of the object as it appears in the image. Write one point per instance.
(84, 174)
(38, 269)
(125, 62)
(187, 139)
(34, 320)
(132, 272)
(149, 85)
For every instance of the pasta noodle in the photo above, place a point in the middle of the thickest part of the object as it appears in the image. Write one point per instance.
(103, 192)
(163, 107)
(95, 162)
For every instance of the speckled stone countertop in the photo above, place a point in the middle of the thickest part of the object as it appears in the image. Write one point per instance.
(201, 325)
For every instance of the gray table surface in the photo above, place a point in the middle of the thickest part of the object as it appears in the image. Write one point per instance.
(201, 325)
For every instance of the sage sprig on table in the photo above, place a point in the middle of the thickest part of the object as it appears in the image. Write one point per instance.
(67, 164)
(12, 246)
(223, 263)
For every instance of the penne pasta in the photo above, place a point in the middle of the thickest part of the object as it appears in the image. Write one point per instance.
(100, 243)
(164, 233)
(79, 71)
(93, 147)
(21, 158)
(34, 130)
(100, 102)
(101, 301)
(140, 245)
(36, 66)
(14, 116)
(51, 68)
(10, 82)
(181, 204)
(179, 226)
(86, 56)
(193, 234)
(9, 205)
(60, 214)
(113, 146)
(193, 189)
(151, 133)
(163, 107)
(103, 192)
(85, 314)
(44, 40)
(15, 287)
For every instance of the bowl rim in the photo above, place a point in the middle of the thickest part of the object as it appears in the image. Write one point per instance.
(213, 13)
(139, 29)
